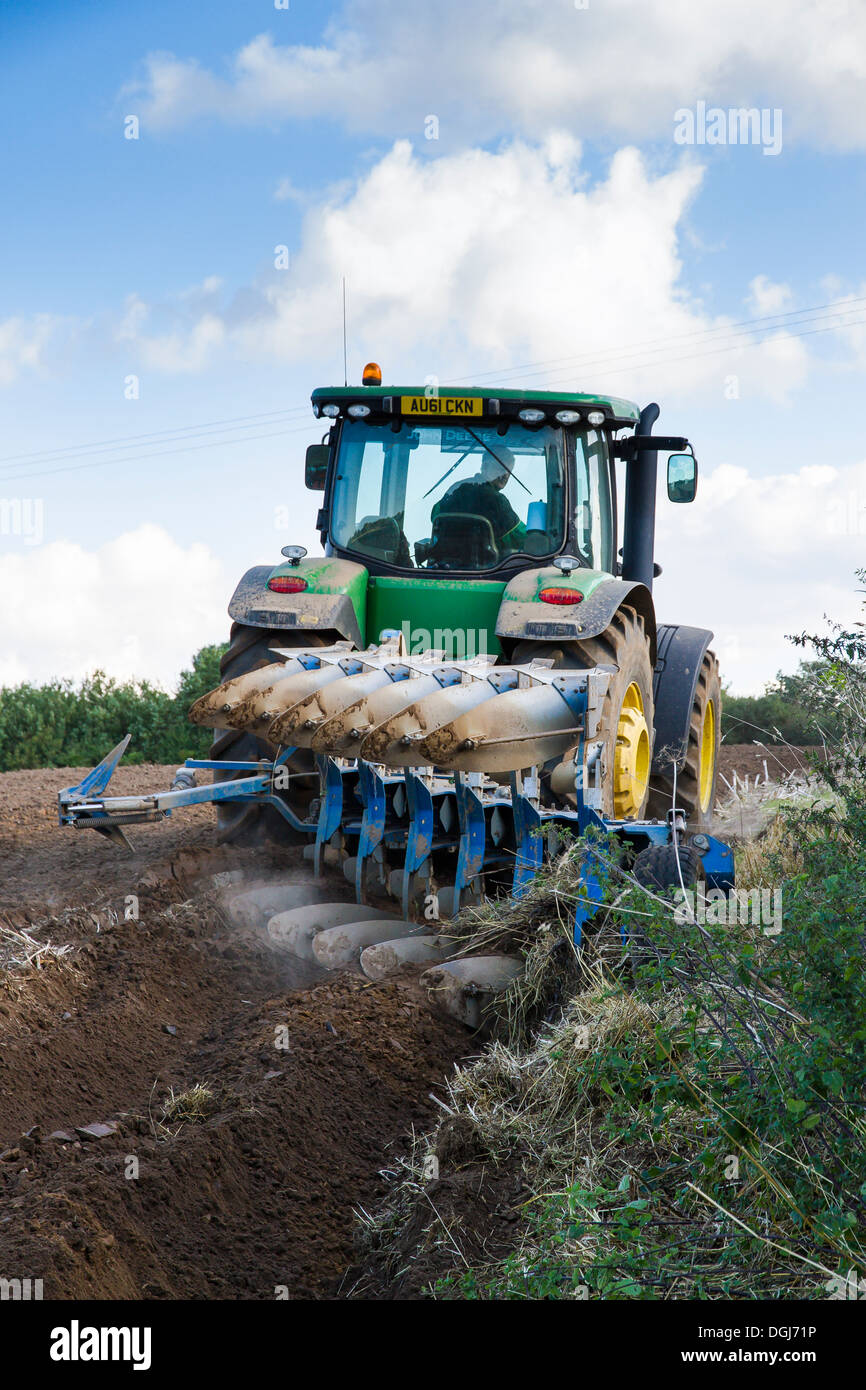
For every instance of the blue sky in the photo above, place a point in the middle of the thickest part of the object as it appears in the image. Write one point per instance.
(556, 213)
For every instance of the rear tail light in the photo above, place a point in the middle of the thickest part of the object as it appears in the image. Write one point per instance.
(287, 584)
(561, 596)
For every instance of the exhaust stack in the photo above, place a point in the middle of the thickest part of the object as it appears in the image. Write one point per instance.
(638, 540)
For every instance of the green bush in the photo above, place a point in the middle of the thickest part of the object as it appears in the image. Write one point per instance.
(798, 708)
(62, 724)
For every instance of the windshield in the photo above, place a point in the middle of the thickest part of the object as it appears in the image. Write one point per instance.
(441, 497)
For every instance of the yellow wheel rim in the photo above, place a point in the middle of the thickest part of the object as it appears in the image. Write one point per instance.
(708, 756)
(632, 757)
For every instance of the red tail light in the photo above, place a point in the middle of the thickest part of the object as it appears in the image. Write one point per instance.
(287, 584)
(561, 596)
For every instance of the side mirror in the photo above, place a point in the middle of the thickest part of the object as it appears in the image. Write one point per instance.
(682, 477)
(316, 467)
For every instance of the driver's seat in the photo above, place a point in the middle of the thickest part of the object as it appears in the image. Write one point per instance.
(462, 540)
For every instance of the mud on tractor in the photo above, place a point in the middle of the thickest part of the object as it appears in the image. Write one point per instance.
(470, 667)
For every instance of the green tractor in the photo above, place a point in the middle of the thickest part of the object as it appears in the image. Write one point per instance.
(478, 528)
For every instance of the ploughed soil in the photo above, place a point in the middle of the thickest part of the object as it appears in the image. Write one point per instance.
(313, 1082)
(50, 866)
(767, 761)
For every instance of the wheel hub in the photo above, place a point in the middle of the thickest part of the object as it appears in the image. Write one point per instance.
(708, 757)
(632, 756)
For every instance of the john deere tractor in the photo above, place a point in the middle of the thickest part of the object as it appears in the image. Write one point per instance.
(466, 675)
(470, 579)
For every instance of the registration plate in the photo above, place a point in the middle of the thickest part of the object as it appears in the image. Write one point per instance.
(441, 407)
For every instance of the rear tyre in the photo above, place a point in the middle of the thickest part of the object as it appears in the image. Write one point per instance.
(698, 778)
(253, 824)
(626, 724)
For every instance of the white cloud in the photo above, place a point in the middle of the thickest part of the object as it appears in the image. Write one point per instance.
(185, 351)
(286, 192)
(22, 342)
(194, 331)
(140, 605)
(478, 260)
(135, 315)
(756, 558)
(621, 68)
(767, 298)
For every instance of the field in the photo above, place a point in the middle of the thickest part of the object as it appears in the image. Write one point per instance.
(226, 1166)
(259, 1191)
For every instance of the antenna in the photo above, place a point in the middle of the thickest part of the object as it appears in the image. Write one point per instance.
(345, 355)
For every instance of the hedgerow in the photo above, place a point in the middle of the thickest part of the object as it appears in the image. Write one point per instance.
(64, 724)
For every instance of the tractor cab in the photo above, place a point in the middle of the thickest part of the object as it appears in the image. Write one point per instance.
(468, 484)
(450, 497)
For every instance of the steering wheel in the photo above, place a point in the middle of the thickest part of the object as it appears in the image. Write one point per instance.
(381, 537)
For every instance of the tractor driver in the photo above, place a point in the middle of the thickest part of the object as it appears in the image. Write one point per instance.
(482, 496)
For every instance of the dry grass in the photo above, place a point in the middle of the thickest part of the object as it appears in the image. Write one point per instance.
(538, 1110)
(20, 951)
(746, 812)
(191, 1107)
(773, 855)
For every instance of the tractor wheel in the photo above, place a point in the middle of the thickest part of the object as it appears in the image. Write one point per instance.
(254, 824)
(626, 724)
(696, 781)
(660, 867)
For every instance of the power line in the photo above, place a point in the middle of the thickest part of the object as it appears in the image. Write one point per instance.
(778, 320)
(118, 454)
(612, 363)
(727, 347)
(160, 453)
(744, 338)
(120, 441)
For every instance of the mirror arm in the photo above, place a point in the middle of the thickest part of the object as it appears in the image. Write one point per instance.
(627, 448)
